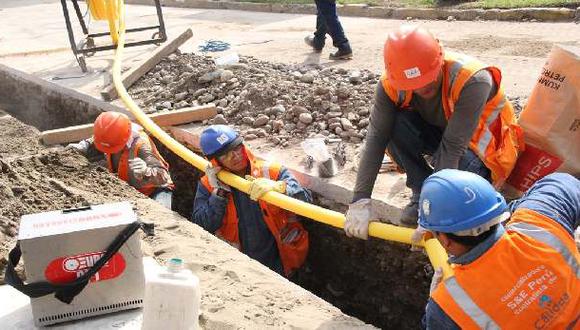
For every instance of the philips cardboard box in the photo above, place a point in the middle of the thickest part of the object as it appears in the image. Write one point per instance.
(61, 246)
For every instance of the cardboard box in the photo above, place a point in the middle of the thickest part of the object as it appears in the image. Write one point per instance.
(61, 246)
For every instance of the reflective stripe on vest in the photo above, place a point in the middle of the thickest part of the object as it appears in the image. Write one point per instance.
(546, 237)
(468, 305)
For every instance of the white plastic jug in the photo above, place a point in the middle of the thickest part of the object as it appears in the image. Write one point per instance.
(172, 298)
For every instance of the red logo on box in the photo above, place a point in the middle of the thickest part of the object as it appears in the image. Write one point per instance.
(533, 164)
(68, 269)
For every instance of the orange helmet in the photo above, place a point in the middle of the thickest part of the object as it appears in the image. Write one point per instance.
(413, 57)
(111, 131)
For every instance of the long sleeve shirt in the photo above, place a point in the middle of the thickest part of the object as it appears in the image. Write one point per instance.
(557, 196)
(457, 131)
(156, 174)
(256, 240)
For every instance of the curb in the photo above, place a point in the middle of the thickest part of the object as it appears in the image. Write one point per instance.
(363, 10)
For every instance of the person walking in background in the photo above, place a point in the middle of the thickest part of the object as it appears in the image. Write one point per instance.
(327, 22)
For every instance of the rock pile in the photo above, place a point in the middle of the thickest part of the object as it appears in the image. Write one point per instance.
(264, 99)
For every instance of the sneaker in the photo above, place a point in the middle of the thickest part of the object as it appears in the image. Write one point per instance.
(309, 40)
(344, 53)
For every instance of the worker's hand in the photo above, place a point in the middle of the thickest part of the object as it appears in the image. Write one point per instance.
(358, 217)
(261, 186)
(436, 279)
(138, 167)
(417, 236)
(79, 147)
(211, 172)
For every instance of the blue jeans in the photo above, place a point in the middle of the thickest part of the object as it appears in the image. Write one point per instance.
(163, 196)
(327, 22)
(412, 137)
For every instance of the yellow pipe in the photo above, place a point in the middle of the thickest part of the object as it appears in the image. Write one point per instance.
(436, 253)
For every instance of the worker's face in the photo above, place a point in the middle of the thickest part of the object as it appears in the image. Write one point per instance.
(430, 90)
(234, 160)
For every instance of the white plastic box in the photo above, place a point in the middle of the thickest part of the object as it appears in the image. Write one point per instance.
(60, 247)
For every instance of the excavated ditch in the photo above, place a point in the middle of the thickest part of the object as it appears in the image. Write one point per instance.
(381, 283)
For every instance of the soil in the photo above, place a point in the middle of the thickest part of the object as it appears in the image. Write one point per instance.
(35, 179)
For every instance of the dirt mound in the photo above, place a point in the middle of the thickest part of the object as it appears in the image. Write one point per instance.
(262, 98)
(17, 138)
(35, 179)
(266, 99)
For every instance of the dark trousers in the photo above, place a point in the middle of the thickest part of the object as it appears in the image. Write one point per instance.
(327, 22)
(412, 138)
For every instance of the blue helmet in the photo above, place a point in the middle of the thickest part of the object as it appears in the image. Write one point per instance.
(216, 140)
(454, 201)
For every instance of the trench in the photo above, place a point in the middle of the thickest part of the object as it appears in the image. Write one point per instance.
(381, 283)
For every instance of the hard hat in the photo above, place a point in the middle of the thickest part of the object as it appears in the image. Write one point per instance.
(111, 131)
(459, 202)
(216, 140)
(413, 57)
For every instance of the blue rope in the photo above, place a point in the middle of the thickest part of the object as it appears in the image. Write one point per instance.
(214, 46)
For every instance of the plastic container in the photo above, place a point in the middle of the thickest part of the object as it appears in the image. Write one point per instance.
(231, 58)
(317, 149)
(172, 298)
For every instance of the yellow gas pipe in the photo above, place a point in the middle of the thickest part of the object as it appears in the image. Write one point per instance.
(436, 253)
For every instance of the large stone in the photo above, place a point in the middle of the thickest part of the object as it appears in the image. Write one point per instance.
(346, 124)
(226, 75)
(261, 120)
(297, 110)
(307, 78)
(220, 120)
(305, 118)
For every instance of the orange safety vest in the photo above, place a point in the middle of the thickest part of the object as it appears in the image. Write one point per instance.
(291, 237)
(123, 166)
(498, 139)
(529, 279)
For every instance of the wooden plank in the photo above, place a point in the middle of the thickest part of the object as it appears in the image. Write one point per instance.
(132, 75)
(176, 117)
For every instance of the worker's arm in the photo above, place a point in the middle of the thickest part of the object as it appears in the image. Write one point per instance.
(293, 187)
(463, 121)
(556, 196)
(86, 147)
(379, 132)
(208, 209)
(436, 318)
(155, 173)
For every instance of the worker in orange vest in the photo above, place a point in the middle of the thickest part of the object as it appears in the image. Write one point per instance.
(131, 154)
(264, 232)
(433, 109)
(521, 275)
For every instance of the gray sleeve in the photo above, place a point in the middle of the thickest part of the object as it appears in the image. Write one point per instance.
(463, 121)
(379, 131)
(156, 173)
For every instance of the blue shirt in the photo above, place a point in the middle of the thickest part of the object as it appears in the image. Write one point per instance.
(556, 196)
(256, 240)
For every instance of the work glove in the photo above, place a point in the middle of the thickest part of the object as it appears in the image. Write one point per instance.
(211, 172)
(417, 236)
(138, 167)
(358, 217)
(436, 279)
(261, 186)
(79, 147)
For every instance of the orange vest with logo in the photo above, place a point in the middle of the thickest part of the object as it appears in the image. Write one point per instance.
(291, 237)
(529, 279)
(132, 152)
(497, 139)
